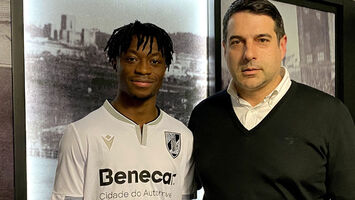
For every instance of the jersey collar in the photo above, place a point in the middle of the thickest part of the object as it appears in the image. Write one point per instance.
(109, 108)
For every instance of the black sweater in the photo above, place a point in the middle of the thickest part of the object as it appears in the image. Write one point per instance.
(303, 149)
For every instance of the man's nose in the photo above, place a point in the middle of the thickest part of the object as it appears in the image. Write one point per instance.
(143, 68)
(249, 51)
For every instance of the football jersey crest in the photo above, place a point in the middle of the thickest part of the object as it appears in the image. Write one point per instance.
(173, 143)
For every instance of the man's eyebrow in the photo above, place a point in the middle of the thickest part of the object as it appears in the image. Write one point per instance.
(264, 35)
(235, 37)
(156, 54)
(131, 51)
(257, 36)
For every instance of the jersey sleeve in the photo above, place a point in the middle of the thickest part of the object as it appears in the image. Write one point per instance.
(341, 163)
(189, 189)
(69, 178)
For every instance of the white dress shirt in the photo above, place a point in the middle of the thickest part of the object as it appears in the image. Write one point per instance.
(251, 116)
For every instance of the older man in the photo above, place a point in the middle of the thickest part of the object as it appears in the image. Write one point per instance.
(267, 137)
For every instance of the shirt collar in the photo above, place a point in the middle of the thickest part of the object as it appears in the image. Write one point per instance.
(109, 108)
(283, 85)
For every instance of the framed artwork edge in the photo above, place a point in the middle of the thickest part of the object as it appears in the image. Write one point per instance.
(18, 100)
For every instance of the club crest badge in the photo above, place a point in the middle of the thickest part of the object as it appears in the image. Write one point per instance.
(173, 143)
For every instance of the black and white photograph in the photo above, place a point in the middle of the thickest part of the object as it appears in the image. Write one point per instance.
(6, 127)
(67, 74)
(310, 55)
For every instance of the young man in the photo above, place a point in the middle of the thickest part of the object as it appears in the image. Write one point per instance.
(129, 148)
(267, 137)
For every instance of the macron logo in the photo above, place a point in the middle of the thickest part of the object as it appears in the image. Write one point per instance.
(108, 139)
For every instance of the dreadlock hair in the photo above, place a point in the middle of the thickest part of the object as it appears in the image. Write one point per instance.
(121, 38)
(259, 7)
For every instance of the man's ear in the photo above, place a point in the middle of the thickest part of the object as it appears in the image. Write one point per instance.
(114, 64)
(224, 47)
(283, 43)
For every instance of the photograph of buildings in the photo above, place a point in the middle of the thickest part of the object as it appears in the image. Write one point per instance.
(67, 74)
(310, 55)
(6, 129)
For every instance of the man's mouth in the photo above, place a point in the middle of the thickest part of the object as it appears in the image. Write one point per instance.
(250, 70)
(142, 82)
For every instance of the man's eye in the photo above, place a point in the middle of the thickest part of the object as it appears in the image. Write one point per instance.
(131, 59)
(235, 42)
(155, 61)
(263, 40)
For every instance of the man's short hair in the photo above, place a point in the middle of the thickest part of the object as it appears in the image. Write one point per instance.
(258, 7)
(121, 38)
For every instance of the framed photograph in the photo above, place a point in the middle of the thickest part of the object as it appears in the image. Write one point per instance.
(311, 44)
(67, 74)
(6, 123)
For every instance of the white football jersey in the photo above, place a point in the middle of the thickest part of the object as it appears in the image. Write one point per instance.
(106, 156)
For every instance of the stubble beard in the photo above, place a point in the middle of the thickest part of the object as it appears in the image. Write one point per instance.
(244, 83)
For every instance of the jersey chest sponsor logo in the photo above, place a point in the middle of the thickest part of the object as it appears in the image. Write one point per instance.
(173, 143)
(108, 139)
(108, 177)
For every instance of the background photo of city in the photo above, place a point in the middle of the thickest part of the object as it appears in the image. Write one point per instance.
(310, 55)
(67, 74)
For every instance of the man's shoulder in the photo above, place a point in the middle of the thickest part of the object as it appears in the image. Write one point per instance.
(93, 118)
(308, 93)
(170, 123)
(217, 99)
(216, 105)
(313, 99)
(168, 119)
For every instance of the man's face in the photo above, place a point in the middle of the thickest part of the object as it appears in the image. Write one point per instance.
(141, 75)
(252, 51)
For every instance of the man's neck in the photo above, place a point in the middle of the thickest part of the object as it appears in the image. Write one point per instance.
(141, 111)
